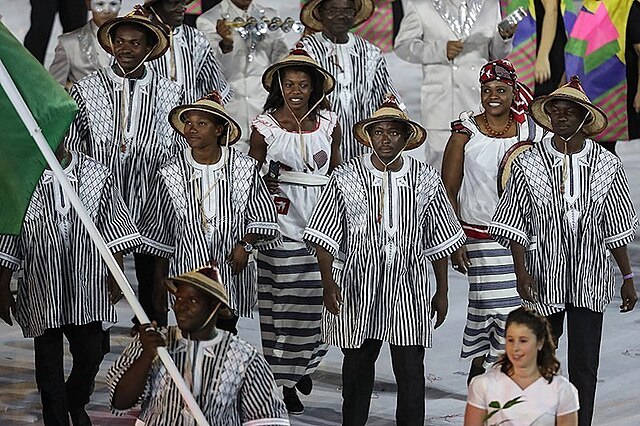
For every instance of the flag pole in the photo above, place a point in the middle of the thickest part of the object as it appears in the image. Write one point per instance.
(36, 133)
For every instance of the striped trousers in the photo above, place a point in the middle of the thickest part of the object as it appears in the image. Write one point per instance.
(290, 306)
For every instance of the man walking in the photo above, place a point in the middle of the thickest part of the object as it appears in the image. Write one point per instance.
(565, 208)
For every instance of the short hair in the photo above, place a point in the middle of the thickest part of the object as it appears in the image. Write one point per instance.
(548, 364)
(151, 37)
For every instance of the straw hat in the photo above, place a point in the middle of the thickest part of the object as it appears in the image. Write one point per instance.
(573, 92)
(211, 104)
(136, 17)
(390, 111)
(206, 279)
(298, 57)
(504, 169)
(310, 18)
(148, 3)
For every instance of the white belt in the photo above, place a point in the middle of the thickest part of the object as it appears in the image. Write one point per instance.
(306, 179)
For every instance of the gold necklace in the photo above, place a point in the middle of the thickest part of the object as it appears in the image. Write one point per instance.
(496, 133)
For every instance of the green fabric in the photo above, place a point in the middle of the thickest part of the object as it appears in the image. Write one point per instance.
(21, 162)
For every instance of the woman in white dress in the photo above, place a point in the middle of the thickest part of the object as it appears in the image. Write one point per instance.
(297, 140)
(524, 387)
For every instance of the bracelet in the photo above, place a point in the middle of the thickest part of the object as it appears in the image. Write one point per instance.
(628, 276)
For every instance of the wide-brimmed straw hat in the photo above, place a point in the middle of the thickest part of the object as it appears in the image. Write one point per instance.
(390, 111)
(206, 279)
(298, 57)
(148, 3)
(135, 17)
(573, 92)
(211, 104)
(310, 18)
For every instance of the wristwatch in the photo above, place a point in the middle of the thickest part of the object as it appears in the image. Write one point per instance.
(246, 246)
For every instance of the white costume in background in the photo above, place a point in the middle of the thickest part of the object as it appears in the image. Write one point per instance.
(449, 87)
(244, 75)
(78, 54)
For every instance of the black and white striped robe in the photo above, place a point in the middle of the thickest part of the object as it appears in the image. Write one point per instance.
(357, 94)
(232, 383)
(384, 280)
(568, 236)
(196, 70)
(65, 279)
(172, 223)
(131, 135)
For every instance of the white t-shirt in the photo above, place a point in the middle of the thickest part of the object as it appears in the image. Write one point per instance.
(542, 401)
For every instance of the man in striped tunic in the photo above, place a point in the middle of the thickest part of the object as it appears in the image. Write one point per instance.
(359, 67)
(122, 120)
(56, 297)
(190, 61)
(566, 208)
(209, 205)
(390, 215)
(229, 379)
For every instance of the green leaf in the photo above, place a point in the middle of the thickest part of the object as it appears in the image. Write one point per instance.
(513, 402)
(495, 404)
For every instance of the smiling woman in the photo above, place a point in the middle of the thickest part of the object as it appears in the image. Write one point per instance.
(299, 138)
(470, 172)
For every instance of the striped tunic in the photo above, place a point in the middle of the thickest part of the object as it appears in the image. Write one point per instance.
(195, 215)
(568, 236)
(54, 243)
(362, 80)
(123, 124)
(384, 280)
(195, 69)
(231, 383)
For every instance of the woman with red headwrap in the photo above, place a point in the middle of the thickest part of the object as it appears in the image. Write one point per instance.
(470, 174)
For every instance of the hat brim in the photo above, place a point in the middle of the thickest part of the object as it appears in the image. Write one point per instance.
(105, 30)
(176, 120)
(504, 169)
(267, 78)
(593, 127)
(171, 284)
(418, 134)
(309, 13)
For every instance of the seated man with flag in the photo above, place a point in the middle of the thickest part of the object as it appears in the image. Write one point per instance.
(58, 298)
(122, 120)
(389, 214)
(228, 377)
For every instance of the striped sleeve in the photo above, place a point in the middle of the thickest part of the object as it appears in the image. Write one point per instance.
(119, 367)
(512, 218)
(382, 85)
(210, 77)
(77, 137)
(325, 227)
(157, 221)
(619, 219)
(115, 224)
(261, 216)
(442, 233)
(10, 252)
(260, 400)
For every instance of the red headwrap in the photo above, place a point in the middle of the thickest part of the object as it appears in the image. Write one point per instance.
(504, 71)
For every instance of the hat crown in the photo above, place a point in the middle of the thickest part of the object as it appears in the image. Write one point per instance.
(137, 12)
(212, 97)
(299, 50)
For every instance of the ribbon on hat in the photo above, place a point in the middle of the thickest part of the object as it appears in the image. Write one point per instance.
(504, 71)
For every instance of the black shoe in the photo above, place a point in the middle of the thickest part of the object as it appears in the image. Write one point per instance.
(305, 385)
(291, 400)
(79, 417)
(473, 372)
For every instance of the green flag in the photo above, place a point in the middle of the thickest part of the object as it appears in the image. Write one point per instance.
(21, 163)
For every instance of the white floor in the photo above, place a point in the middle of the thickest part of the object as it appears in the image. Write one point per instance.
(618, 388)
